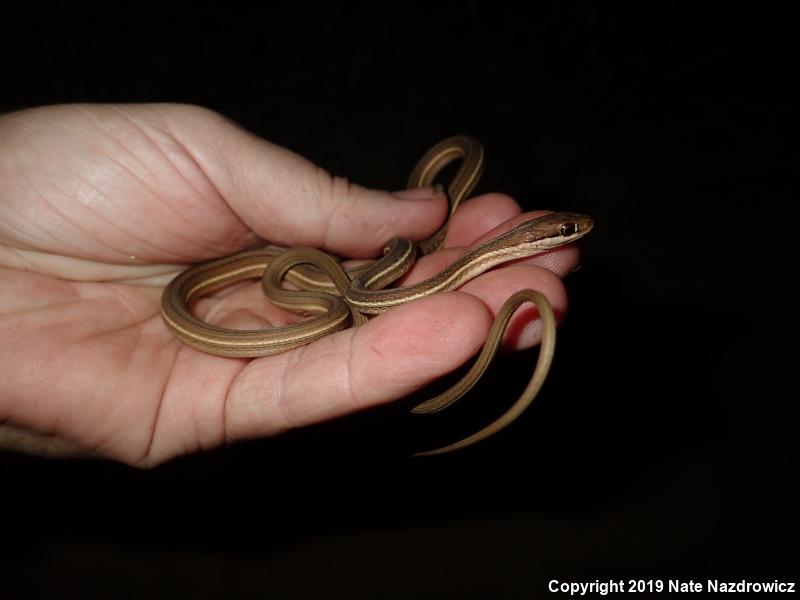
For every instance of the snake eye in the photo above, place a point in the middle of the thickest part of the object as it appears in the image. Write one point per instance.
(567, 229)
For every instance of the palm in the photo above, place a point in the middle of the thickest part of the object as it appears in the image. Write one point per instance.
(103, 223)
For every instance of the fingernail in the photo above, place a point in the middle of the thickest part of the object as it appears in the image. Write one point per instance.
(422, 193)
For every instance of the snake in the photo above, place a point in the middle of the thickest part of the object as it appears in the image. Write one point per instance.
(335, 297)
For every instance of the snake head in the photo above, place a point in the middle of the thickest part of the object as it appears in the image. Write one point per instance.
(556, 229)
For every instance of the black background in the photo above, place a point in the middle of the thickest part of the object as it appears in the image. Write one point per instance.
(664, 443)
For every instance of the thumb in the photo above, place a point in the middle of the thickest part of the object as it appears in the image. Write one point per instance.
(288, 200)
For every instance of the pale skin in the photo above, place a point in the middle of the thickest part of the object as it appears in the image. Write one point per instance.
(101, 205)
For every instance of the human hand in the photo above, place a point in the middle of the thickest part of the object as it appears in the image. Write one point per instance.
(101, 205)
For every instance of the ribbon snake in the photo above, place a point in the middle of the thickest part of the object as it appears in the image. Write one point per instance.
(337, 298)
